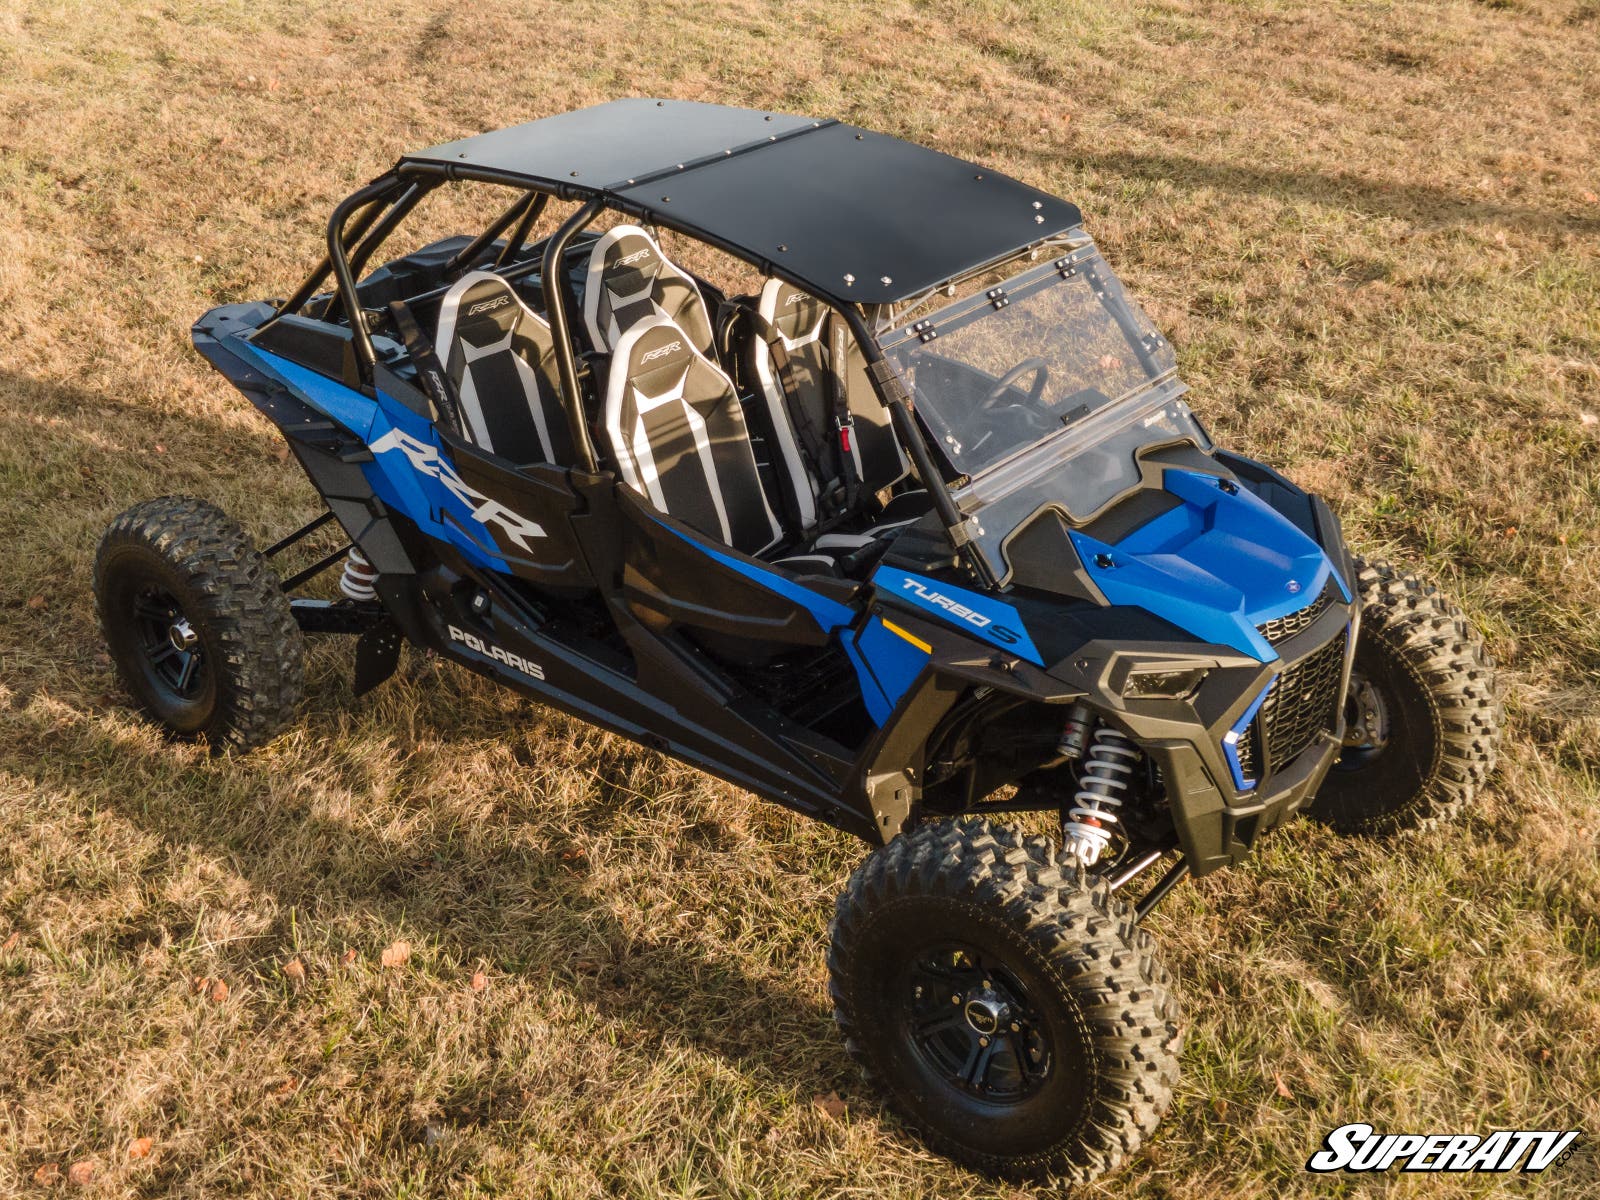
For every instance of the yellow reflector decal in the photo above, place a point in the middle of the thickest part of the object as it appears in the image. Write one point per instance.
(910, 637)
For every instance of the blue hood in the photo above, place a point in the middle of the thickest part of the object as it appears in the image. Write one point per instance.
(1217, 565)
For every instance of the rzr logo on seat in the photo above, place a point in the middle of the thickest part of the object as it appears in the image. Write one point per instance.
(960, 611)
(484, 306)
(627, 260)
(489, 650)
(425, 460)
(660, 352)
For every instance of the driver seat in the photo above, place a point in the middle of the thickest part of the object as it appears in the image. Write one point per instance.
(820, 359)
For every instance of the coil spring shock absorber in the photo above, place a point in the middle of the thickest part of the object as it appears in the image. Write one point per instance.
(359, 576)
(1102, 786)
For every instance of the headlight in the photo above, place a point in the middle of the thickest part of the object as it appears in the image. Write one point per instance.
(1170, 683)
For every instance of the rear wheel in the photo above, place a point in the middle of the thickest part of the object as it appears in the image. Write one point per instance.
(1011, 1007)
(1422, 721)
(197, 625)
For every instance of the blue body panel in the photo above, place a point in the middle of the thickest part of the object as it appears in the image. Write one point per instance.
(1216, 565)
(886, 665)
(409, 471)
(985, 617)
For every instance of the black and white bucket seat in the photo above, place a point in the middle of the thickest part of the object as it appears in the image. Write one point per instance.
(821, 379)
(677, 433)
(499, 356)
(630, 281)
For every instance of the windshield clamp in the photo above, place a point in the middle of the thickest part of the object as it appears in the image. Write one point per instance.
(890, 386)
(997, 297)
(925, 331)
(964, 533)
(1064, 265)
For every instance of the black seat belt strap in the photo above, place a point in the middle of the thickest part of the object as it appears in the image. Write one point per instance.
(429, 371)
(844, 421)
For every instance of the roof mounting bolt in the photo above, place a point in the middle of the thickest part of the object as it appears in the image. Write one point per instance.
(1038, 219)
(885, 280)
(768, 117)
(1037, 204)
(849, 280)
(680, 166)
(666, 199)
(782, 249)
(978, 177)
(858, 137)
(659, 103)
(574, 174)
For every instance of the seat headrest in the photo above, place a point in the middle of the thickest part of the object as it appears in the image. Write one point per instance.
(629, 280)
(796, 314)
(657, 355)
(480, 309)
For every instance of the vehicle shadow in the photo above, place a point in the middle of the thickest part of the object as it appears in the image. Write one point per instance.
(498, 880)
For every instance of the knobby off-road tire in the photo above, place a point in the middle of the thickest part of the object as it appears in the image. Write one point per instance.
(958, 925)
(1429, 715)
(197, 625)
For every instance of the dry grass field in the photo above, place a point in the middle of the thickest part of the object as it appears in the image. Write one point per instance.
(1372, 230)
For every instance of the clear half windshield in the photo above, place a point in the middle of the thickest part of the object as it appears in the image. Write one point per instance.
(1043, 389)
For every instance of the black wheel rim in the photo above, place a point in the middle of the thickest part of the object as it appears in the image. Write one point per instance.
(971, 1021)
(169, 646)
(1367, 724)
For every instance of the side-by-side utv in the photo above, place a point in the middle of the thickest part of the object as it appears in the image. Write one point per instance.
(916, 534)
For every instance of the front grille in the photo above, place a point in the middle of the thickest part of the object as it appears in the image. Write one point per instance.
(1301, 703)
(1281, 629)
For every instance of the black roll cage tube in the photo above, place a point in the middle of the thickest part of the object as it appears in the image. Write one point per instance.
(395, 194)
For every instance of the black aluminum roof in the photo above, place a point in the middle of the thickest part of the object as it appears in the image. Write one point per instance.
(851, 215)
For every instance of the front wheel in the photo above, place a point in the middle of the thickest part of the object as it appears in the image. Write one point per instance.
(1422, 720)
(1015, 1012)
(199, 630)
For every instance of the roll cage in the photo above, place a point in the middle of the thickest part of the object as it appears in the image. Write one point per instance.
(525, 159)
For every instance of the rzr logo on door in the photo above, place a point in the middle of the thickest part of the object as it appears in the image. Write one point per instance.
(660, 352)
(515, 661)
(484, 306)
(960, 611)
(627, 260)
(425, 460)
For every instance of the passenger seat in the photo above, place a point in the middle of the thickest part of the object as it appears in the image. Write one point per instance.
(499, 356)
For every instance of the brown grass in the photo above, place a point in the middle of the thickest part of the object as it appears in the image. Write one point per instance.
(1371, 232)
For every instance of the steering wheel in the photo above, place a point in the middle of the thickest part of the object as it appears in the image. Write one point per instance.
(1029, 366)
